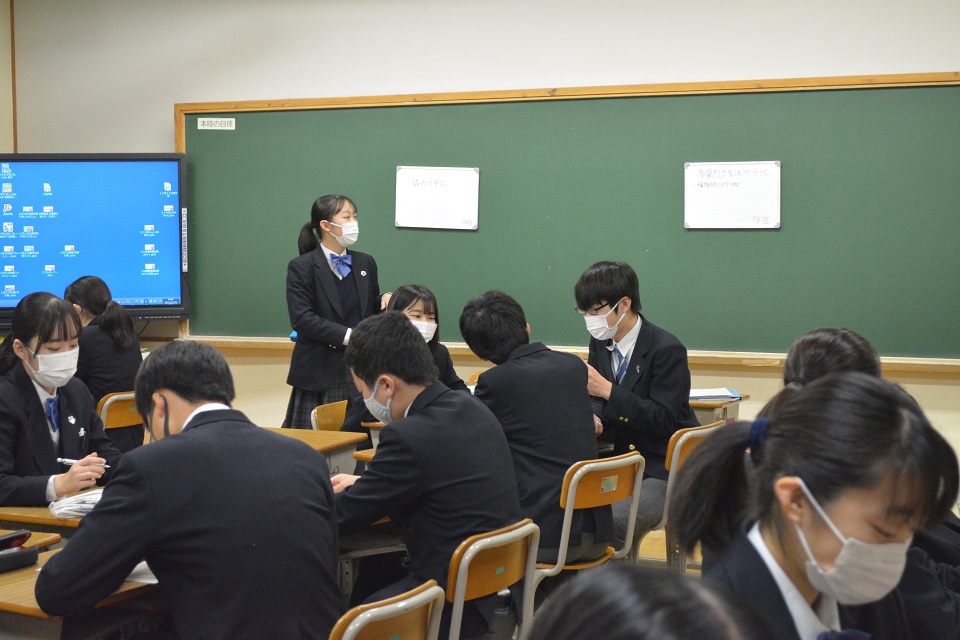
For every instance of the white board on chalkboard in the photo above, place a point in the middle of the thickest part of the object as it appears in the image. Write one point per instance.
(731, 195)
(438, 197)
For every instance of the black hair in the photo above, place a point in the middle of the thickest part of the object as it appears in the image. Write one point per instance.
(324, 208)
(629, 602)
(389, 343)
(39, 315)
(194, 371)
(819, 352)
(607, 282)
(93, 294)
(408, 295)
(843, 431)
(493, 325)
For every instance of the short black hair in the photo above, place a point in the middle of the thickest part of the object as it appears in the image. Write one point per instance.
(493, 325)
(194, 371)
(407, 295)
(607, 282)
(389, 343)
(39, 315)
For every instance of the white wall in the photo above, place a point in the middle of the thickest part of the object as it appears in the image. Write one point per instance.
(103, 75)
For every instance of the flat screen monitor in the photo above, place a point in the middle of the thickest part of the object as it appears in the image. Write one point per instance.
(121, 217)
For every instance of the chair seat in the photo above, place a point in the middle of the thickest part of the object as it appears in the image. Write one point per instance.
(578, 566)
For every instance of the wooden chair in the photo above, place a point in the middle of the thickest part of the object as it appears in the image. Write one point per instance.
(328, 417)
(488, 563)
(474, 377)
(681, 444)
(412, 615)
(595, 483)
(118, 410)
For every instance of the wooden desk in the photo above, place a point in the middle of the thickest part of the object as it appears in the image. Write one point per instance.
(375, 428)
(21, 616)
(41, 540)
(38, 519)
(336, 446)
(709, 411)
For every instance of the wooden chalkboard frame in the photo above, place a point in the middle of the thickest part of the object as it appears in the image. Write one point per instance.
(734, 361)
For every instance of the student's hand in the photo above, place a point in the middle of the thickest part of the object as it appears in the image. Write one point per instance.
(341, 481)
(597, 425)
(597, 385)
(385, 300)
(84, 473)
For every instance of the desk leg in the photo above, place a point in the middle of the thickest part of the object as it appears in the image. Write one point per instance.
(14, 626)
(676, 560)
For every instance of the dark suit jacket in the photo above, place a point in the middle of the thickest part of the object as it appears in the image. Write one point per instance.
(27, 455)
(443, 473)
(654, 400)
(316, 316)
(540, 398)
(742, 570)
(237, 523)
(106, 368)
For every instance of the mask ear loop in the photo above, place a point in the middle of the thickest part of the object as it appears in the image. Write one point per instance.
(166, 421)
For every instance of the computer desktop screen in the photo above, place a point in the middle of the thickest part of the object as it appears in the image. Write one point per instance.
(121, 217)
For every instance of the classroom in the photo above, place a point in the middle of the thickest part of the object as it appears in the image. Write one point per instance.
(105, 76)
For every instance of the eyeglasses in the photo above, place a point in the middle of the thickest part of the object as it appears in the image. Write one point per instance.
(592, 311)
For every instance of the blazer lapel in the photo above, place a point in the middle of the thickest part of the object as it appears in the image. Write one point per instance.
(363, 282)
(70, 437)
(327, 280)
(604, 365)
(44, 453)
(638, 361)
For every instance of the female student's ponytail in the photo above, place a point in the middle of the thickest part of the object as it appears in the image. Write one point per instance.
(93, 294)
(324, 208)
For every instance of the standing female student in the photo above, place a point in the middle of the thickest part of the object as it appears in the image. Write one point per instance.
(329, 291)
(847, 470)
(46, 414)
(109, 349)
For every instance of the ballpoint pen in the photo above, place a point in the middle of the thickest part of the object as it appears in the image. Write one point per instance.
(70, 461)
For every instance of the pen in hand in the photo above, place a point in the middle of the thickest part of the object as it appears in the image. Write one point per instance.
(71, 461)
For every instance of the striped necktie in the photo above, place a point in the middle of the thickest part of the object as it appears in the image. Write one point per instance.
(621, 365)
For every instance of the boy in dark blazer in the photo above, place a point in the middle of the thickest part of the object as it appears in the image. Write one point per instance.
(237, 523)
(442, 469)
(540, 398)
(639, 379)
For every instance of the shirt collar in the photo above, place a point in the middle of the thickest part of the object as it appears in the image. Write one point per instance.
(626, 345)
(809, 622)
(329, 254)
(210, 406)
(44, 396)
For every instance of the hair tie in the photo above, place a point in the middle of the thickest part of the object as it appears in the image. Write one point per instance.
(758, 432)
(797, 380)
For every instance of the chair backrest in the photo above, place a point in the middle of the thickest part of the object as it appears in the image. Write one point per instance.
(682, 443)
(475, 376)
(409, 616)
(118, 410)
(328, 417)
(487, 563)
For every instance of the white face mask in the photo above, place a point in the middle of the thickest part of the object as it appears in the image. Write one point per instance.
(597, 325)
(380, 411)
(351, 231)
(862, 572)
(426, 329)
(54, 369)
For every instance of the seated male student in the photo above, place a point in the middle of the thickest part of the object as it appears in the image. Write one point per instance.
(540, 398)
(442, 469)
(236, 522)
(639, 378)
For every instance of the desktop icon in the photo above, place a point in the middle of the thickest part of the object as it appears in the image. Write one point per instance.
(49, 267)
(28, 209)
(28, 248)
(148, 227)
(8, 227)
(9, 268)
(150, 266)
(10, 288)
(68, 247)
(5, 167)
(28, 229)
(167, 186)
(7, 248)
(168, 208)
(46, 187)
(48, 209)
(8, 187)
(7, 208)
(148, 247)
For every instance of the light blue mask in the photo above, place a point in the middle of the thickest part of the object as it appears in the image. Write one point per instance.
(380, 412)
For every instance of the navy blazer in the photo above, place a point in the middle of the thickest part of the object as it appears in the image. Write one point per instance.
(315, 314)
(742, 570)
(653, 402)
(443, 474)
(237, 523)
(540, 398)
(103, 366)
(28, 456)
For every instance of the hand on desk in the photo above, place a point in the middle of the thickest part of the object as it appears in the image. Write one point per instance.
(341, 481)
(597, 425)
(82, 474)
(597, 385)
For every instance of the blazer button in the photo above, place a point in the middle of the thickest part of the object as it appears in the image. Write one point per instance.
(633, 447)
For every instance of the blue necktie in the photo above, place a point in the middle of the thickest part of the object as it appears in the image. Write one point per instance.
(342, 264)
(621, 366)
(53, 413)
(848, 634)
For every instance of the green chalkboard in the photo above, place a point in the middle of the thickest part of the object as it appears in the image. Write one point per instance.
(870, 235)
